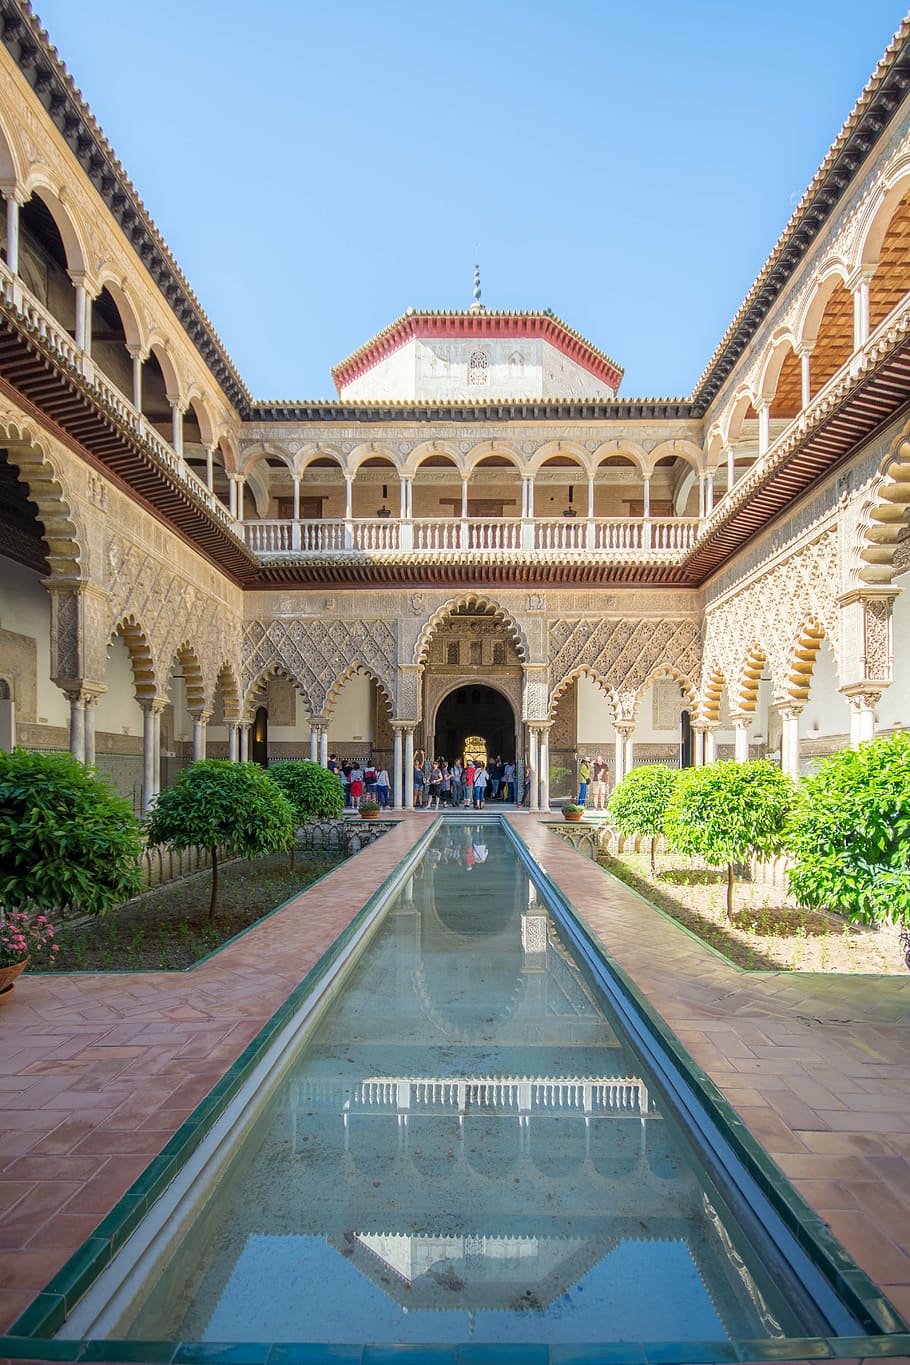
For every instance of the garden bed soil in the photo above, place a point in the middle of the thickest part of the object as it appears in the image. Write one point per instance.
(769, 932)
(170, 928)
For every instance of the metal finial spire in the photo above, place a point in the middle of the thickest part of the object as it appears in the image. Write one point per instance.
(477, 306)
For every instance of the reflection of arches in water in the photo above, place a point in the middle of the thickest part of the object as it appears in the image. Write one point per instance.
(475, 711)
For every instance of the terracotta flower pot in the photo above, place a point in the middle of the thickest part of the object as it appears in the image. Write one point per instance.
(572, 814)
(8, 976)
(370, 814)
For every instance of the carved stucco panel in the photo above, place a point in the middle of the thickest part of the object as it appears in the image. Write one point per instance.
(317, 653)
(769, 613)
(625, 653)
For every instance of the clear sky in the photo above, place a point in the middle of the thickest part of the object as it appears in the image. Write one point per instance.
(319, 168)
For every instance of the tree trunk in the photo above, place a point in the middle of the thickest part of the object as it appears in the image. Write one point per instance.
(293, 862)
(729, 893)
(653, 842)
(214, 883)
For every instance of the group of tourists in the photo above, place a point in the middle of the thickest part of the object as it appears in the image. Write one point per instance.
(362, 780)
(593, 774)
(462, 783)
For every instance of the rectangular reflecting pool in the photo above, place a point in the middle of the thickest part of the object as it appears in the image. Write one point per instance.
(464, 1148)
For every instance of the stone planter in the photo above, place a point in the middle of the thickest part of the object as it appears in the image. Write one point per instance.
(573, 815)
(8, 976)
(370, 814)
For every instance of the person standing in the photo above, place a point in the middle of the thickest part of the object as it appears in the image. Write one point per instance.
(356, 778)
(584, 777)
(598, 782)
(508, 782)
(418, 780)
(468, 780)
(382, 788)
(457, 789)
(494, 777)
(433, 785)
(480, 787)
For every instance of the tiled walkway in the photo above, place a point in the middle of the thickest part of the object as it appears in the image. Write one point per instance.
(97, 1072)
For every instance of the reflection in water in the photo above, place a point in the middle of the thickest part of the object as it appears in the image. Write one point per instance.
(465, 1150)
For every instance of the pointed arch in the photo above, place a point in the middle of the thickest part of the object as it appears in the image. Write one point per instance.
(667, 672)
(583, 671)
(185, 655)
(488, 607)
(276, 670)
(64, 535)
(358, 666)
(712, 692)
(801, 661)
(745, 698)
(145, 679)
(885, 516)
(227, 678)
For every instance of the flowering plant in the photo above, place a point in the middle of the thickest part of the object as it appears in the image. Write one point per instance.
(21, 936)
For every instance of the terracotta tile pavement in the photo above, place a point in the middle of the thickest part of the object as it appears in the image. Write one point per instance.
(97, 1072)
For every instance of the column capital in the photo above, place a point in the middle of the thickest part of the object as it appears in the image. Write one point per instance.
(153, 705)
(202, 716)
(863, 696)
(13, 194)
(789, 710)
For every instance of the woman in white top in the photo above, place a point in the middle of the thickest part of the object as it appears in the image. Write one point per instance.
(382, 787)
(481, 778)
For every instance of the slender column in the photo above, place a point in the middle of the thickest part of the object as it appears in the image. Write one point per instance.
(544, 752)
(244, 728)
(862, 718)
(77, 725)
(619, 756)
(177, 426)
(403, 499)
(711, 744)
(323, 746)
(701, 496)
(232, 495)
(591, 498)
(136, 357)
(397, 774)
(80, 315)
(151, 753)
(805, 377)
(629, 752)
(314, 743)
(91, 701)
(200, 720)
(464, 499)
(764, 425)
(530, 497)
(709, 494)
(408, 767)
(789, 749)
(741, 739)
(210, 468)
(861, 313)
(698, 746)
(410, 484)
(647, 495)
(348, 496)
(233, 741)
(296, 497)
(89, 300)
(12, 231)
(731, 468)
(534, 796)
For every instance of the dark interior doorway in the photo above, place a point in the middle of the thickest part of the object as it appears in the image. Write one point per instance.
(475, 710)
(260, 737)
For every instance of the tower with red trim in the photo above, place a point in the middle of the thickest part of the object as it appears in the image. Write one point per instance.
(475, 355)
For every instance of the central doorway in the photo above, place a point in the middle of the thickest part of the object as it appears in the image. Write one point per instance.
(476, 717)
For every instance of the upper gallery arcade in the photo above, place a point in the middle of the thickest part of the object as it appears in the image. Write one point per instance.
(169, 519)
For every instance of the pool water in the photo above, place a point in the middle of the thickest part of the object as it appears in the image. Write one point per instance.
(465, 1149)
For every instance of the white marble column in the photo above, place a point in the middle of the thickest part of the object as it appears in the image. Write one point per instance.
(210, 468)
(80, 313)
(764, 425)
(136, 357)
(323, 746)
(534, 795)
(544, 761)
(698, 746)
(156, 754)
(619, 751)
(710, 744)
(861, 313)
(200, 720)
(296, 497)
(244, 728)
(397, 774)
(862, 719)
(805, 378)
(741, 739)
(314, 742)
(151, 753)
(77, 725)
(629, 751)
(233, 741)
(176, 427)
(91, 701)
(731, 467)
(789, 745)
(12, 230)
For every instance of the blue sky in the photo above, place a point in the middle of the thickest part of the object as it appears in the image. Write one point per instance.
(318, 168)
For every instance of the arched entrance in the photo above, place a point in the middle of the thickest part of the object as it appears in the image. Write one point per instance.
(479, 714)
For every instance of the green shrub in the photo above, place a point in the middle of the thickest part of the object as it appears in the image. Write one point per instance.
(727, 812)
(850, 833)
(639, 801)
(314, 792)
(66, 839)
(216, 805)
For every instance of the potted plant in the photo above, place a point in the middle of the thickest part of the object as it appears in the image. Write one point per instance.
(369, 810)
(21, 936)
(573, 812)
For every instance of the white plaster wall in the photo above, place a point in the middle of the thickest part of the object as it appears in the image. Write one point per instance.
(300, 730)
(351, 721)
(517, 367)
(826, 712)
(25, 609)
(592, 716)
(118, 712)
(894, 707)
